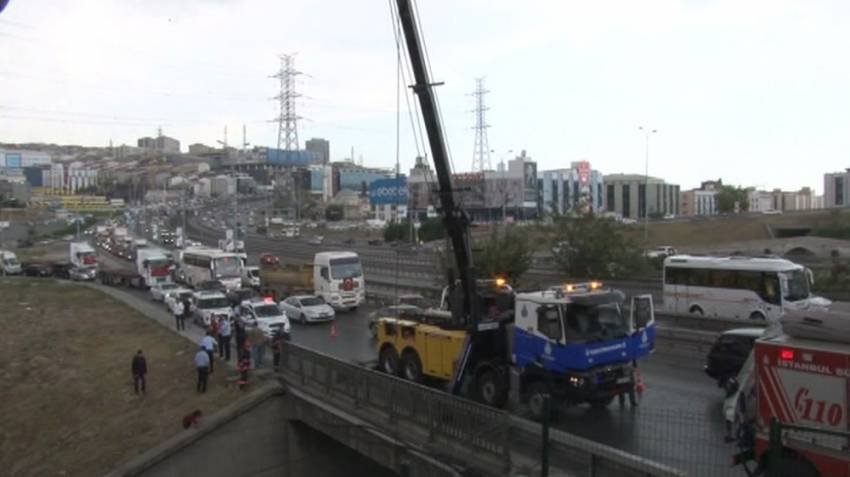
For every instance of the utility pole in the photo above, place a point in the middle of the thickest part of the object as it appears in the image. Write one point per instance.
(481, 153)
(647, 133)
(287, 119)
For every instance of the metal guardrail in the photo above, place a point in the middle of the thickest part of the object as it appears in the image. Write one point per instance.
(463, 431)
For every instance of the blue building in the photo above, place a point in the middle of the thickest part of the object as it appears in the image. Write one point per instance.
(356, 178)
(281, 157)
(388, 198)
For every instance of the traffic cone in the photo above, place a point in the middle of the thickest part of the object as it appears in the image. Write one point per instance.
(333, 330)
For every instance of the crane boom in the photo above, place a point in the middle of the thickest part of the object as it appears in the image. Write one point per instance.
(454, 217)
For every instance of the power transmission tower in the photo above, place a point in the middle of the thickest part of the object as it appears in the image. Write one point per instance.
(287, 120)
(481, 154)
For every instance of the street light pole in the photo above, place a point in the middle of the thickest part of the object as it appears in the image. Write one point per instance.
(647, 133)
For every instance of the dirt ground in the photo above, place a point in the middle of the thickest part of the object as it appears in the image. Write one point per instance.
(65, 383)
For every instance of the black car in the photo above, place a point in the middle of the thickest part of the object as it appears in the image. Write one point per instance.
(729, 352)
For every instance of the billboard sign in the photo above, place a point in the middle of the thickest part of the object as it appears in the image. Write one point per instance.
(583, 172)
(388, 191)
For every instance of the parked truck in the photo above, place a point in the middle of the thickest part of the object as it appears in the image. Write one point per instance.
(337, 277)
(792, 405)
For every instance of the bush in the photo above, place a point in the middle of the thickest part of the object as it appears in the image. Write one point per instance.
(397, 231)
(432, 229)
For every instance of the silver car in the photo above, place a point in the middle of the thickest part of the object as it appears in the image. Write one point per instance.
(307, 309)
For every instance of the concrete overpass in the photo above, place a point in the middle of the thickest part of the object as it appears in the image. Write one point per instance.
(381, 425)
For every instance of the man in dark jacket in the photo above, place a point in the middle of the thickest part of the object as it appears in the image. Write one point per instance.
(139, 369)
(240, 338)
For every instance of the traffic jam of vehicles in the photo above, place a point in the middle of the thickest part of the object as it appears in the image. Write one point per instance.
(213, 282)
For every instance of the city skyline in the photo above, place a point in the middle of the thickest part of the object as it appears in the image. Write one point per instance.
(748, 93)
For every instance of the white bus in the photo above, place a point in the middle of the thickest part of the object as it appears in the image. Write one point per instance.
(202, 264)
(737, 286)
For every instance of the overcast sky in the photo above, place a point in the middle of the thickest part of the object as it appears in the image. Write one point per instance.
(755, 92)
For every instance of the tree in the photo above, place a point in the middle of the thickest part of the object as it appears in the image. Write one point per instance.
(506, 253)
(397, 231)
(727, 196)
(432, 229)
(590, 247)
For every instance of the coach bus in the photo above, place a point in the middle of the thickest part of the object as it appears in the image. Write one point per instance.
(759, 288)
(202, 264)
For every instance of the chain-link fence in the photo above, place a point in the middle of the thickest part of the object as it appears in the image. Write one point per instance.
(689, 440)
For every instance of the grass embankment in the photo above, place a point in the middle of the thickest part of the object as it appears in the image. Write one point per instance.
(65, 382)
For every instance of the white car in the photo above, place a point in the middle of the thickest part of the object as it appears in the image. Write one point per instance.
(159, 290)
(207, 304)
(307, 308)
(264, 312)
(177, 294)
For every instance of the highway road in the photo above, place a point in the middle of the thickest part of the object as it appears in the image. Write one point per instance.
(678, 421)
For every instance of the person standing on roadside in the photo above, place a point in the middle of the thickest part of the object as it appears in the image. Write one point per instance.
(139, 368)
(202, 362)
(277, 347)
(224, 332)
(240, 338)
(209, 345)
(187, 312)
(257, 341)
(177, 309)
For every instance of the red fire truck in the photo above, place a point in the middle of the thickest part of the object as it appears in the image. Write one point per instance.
(798, 422)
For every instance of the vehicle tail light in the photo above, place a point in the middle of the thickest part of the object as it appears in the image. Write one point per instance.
(786, 354)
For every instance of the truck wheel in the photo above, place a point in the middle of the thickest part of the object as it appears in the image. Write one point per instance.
(388, 360)
(411, 366)
(601, 403)
(756, 315)
(491, 389)
(536, 392)
(353, 309)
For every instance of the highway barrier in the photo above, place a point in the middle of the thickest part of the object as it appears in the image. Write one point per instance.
(464, 433)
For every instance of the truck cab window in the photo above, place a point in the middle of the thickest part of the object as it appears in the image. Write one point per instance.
(549, 322)
(324, 272)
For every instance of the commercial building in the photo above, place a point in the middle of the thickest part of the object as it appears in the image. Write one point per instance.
(16, 160)
(698, 202)
(20, 191)
(160, 143)
(199, 149)
(349, 176)
(421, 184)
(320, 147)
(836, 189)
(636, 196)
(578, 188)
(222, 186)
(786, 201)
(388, 199)
(760, 201)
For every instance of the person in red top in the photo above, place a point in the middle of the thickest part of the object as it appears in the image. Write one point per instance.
(243, 366)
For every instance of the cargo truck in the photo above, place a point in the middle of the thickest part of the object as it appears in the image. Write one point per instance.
(337, 277)
(153, 265)
(83, 261)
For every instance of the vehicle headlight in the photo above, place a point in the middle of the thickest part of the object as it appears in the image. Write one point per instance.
(576, 381)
